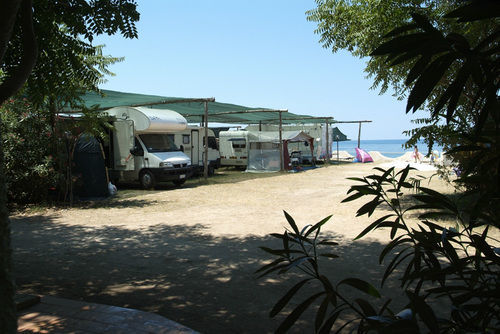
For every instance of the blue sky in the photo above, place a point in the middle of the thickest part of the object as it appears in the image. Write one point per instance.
(258, 53)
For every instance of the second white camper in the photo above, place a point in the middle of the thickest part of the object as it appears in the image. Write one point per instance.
(192, 142)
(233, 146)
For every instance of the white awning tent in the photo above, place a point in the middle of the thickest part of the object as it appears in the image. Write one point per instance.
(264, 149)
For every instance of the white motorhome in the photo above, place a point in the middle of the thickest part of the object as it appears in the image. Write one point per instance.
(233, 147)
(142, 146)
(192, 142)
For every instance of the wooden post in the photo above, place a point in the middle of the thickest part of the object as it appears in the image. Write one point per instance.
(282, 166)
(205, 157)
(359, 135)
(338, 159)
(327, 141)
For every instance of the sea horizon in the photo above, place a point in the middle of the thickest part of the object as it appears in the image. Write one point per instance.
(391, 148)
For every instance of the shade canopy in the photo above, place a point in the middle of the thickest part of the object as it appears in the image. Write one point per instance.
(193, 109)
(337, 135)
(273, 136)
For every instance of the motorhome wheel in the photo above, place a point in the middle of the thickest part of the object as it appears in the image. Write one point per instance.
(179, 183)
(147, 179)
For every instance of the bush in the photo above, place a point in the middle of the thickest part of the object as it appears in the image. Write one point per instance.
(457, 265)
(29, 166)
(460, 265)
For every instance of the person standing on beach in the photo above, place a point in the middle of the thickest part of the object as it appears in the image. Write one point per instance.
(416, 155)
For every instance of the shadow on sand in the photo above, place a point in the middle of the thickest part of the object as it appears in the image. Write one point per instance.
(204, 282)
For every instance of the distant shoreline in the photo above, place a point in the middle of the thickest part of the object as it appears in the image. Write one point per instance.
(391, 148)
(391, 139)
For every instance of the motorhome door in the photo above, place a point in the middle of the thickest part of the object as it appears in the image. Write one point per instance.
(195, 147)
(123, 141)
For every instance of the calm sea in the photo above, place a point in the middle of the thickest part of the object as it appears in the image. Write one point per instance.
(391, 148)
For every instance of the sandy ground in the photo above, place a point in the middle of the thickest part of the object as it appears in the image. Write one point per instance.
(190, 254)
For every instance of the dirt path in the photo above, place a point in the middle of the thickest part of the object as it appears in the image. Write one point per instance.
(190, 254)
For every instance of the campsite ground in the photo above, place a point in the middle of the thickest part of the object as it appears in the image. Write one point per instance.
(190, 253)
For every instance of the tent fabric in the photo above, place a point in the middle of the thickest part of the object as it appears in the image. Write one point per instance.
(304, 126)
(90, 169)
(362, 155)
(87, 144)
(263, 158)
(317, 131)
(192, 111)
(264, 152)
(286, 154)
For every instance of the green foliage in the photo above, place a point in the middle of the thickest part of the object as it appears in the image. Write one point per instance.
(53, 26)
(38, 154)
(302, 250)
(437, 53)
(360, 27)
(66, 70)
(29, 168)
(431, 262)
(67, 65)
(449, 69)
(459, 265)
(90, 18)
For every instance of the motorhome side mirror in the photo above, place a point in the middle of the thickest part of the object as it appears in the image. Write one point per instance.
(136, 151)
(182, 148)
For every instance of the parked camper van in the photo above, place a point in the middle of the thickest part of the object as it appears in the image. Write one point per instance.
(192, 142)
(142, 147)
(233, 146)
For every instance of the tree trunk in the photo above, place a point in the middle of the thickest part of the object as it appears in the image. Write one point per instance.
(15, 79)
(8, 320)
(10, 85)
(8, 14)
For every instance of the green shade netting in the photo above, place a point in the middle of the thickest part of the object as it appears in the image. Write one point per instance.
(336, 132)
(274, 137)
(193, 111)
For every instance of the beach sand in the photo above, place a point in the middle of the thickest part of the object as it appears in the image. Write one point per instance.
(190, 254)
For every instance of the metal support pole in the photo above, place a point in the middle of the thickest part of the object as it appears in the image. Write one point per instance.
(338, 159)
(281, 144)
(327, 141)
(260, 125)
(205, 157)
(359, 135)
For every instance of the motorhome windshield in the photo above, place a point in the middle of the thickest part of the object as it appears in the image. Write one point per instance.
(158, 142)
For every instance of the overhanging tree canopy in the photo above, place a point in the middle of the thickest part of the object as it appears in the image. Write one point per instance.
(24, 27)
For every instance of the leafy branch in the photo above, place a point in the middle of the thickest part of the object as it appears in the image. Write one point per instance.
(433, 262)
